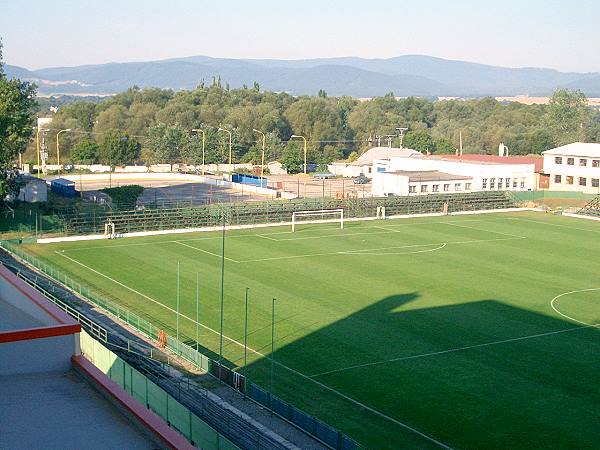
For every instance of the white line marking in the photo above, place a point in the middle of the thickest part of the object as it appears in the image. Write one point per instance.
(324, 386)
(553, 224)
(204, 251)
(568, 293)
(361, 252)
(266, 237)
(486, 231)
(353, 252)
(453, 350)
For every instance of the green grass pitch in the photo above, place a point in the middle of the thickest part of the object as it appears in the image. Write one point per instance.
(475, 331)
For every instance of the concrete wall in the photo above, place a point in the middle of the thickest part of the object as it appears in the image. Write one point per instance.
(51, 354)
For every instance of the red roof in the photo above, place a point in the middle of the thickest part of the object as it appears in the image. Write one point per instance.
(537, 161)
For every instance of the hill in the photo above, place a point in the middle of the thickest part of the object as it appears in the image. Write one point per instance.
(408, 75)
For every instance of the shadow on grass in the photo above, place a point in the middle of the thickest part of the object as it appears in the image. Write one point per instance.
(482, 374)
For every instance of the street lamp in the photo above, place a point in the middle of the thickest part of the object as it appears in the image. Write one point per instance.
(262, 163)
(198, 130)
(228, 132)
(304, 139)
(39, 151)
(58, 148)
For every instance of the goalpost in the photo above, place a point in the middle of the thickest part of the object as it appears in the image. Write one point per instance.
(320, 216)
(109, 230)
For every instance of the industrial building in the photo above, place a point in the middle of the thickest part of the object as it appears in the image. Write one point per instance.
(424, 174)
(573, 167)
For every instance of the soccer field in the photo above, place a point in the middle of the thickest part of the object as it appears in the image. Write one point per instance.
(473, 331)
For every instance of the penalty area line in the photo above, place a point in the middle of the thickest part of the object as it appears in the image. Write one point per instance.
(306, 377)
(454, 350)
(205, 251)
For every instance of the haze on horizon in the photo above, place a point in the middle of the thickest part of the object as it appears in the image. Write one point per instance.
(536, 33)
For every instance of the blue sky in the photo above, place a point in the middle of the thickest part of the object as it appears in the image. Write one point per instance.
(560, 34)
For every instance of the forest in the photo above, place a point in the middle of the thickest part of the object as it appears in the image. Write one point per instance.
(150, 126)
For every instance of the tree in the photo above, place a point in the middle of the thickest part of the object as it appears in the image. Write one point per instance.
(118, 148)
(292, 157)
(166, 144)
(444, 146)
(85, 152)
(568, 116)
(17, 114)
(419, 140)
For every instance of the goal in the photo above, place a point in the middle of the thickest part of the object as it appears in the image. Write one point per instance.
(320, 216)
(109, 230)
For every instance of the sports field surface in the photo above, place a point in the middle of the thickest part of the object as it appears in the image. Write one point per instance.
(473, 331)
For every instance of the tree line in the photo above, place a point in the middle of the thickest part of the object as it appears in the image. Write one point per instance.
(150, 126)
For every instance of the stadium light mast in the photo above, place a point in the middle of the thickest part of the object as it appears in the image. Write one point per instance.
(39, 150)
(401, 132)
(230, 137)
(304, 139)
(262, 161)
(58, 148)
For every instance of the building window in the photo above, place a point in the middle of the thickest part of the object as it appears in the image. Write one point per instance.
(583, 162)
(412, 189)
(558, 160)
(507, 183)
(423, 188)
(457, 187)
(582, 181)
(595, 162)
(569, 179)
(484, 183)
(500, 183)
(446, 187)
(515, 182)
(595, 182)
(557, 179)
(522, 183)
(435, 188)
(570, 161)
(467, 186)
(492, 183)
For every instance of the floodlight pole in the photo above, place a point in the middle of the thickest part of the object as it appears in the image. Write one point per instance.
(58, 148)
(222, 296)
(262, 162)
(197, 310)
(246, 342)
(198, 130)
(177, 308)
(304, 139)
(230, 145)
(272, 348)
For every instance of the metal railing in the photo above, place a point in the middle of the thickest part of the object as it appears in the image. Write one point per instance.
(309, 424)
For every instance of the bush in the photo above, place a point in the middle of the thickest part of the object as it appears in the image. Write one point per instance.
(124, 197)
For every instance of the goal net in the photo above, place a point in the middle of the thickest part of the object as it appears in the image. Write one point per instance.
(320, 216)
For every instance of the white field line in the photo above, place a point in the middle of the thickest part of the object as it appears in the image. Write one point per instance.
(486, 231)
(266, 237)
(361, 252)
(356, 252)
(553, 301)
(454, 350)
(205, 251)
(553, 224)
(318, 383)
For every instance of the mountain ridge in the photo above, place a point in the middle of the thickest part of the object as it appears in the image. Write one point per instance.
(405, 75)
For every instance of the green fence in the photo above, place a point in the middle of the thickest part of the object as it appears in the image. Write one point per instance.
(330, 436)
(154, 397)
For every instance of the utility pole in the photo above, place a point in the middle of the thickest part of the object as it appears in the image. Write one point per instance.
(401, 132)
